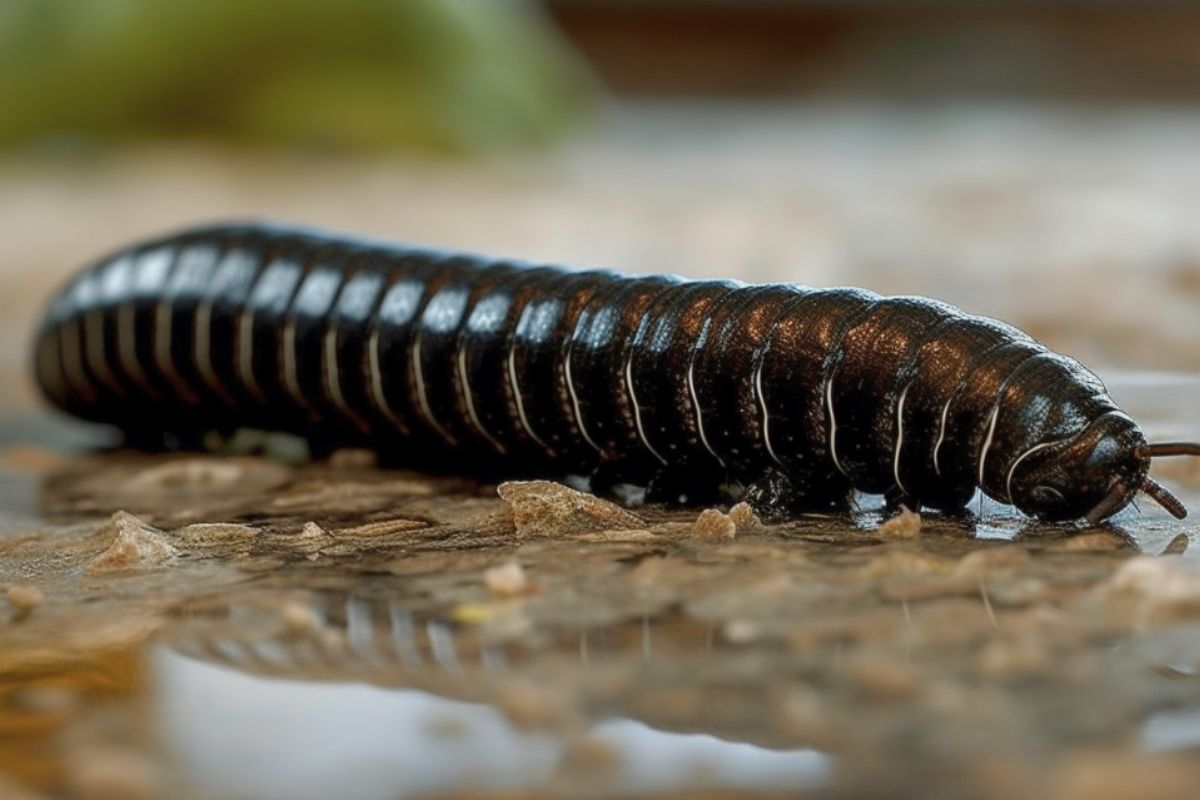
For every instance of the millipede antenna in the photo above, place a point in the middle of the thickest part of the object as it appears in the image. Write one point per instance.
(1162, 449)
(1163, 497)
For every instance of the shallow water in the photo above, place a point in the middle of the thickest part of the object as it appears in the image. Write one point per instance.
(369, 657)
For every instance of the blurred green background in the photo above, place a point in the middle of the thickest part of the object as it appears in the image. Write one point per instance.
(457, 75)
(1039, 162)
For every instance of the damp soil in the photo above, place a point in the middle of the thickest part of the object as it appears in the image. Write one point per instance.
(241, 626)
(255, 627)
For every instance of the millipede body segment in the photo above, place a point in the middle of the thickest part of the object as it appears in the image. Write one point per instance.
(791, 397)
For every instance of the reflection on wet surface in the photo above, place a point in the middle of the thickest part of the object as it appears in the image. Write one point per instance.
(407, 743)
(343, 631)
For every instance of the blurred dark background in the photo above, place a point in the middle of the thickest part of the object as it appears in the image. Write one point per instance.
(889, 50)
(1034, 161)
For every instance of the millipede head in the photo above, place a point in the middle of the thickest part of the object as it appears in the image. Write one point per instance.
(1089, 476)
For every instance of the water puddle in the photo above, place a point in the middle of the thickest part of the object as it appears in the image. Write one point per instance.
(222, 725)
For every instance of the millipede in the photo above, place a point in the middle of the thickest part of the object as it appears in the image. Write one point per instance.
(789, 397)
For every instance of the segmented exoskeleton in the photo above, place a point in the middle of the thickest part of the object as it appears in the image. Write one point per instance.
(791, 395)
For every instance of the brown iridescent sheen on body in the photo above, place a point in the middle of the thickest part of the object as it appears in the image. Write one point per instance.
(789, 396)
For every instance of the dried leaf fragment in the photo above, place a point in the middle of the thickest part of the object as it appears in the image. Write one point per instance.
(905, 525)
(545, 508)
(134, 545)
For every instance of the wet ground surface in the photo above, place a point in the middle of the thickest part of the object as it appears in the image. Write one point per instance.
(242, 627)
(354, 633)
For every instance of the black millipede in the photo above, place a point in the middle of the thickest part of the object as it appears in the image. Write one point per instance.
(790, 397)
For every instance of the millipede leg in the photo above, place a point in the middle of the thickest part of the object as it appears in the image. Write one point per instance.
(895, 499)
(778, 496)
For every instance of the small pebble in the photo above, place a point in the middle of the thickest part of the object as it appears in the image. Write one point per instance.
(744, 518)
(714, 524)
(507, 579)
(905, 525)
(24, 599)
